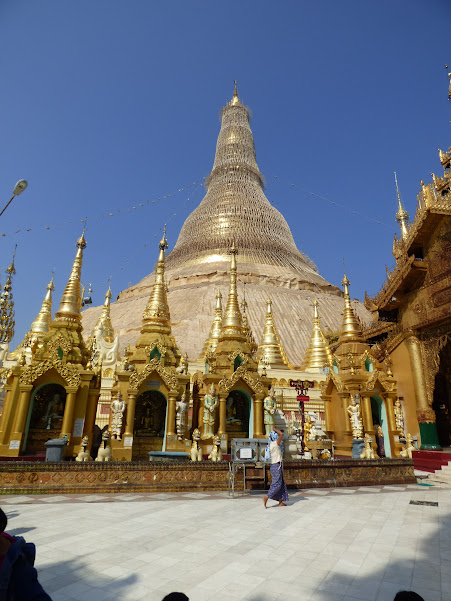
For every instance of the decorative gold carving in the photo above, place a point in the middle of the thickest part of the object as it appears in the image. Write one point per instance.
(56, 342)
(167, 374)
(162, 349)
(69, 373)
(432, 342)
(226, 384)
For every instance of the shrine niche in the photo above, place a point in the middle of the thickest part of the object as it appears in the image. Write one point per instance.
(45, 416)
(238, 411)
(150, 423)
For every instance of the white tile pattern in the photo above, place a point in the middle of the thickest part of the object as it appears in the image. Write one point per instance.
(361, 546)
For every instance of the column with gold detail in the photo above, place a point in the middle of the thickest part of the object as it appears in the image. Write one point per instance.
(16, 438)
(170, 431)
(68, 417)
(222, 412)
(425, 413)
(131, 405)
(258, 416)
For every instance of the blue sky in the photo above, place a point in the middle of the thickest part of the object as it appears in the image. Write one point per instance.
(109, 104)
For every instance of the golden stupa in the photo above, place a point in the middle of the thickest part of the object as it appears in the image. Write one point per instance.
(235, 211)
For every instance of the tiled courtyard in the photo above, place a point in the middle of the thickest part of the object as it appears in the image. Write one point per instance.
(334, 544)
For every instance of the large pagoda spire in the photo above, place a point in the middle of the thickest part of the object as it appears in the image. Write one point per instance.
(7, 322)
(236, 208)
(41, 324)
(350, 327)
(318, 354)
(270, 348)
(70, 304)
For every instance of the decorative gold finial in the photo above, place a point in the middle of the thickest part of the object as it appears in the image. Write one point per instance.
(402, 216)
(270, 347)
(104, 326)
(235, 100)
(317, 355)
(70, 305)
(156, 316)
(232, 324)
(215, 331)
(41, 324)
(7, 322)
(350, 328)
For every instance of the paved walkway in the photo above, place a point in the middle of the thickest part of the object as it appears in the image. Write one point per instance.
(328, 545)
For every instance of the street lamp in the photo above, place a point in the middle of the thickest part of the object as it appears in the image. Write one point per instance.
(18, 189)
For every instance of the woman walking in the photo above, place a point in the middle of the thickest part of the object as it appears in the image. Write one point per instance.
(278, 489)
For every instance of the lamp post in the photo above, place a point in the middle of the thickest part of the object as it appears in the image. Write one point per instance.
(18, 189)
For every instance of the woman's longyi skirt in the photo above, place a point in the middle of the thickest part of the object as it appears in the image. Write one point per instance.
(278, 489)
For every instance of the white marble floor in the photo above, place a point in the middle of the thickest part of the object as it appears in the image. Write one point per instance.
(327, 545)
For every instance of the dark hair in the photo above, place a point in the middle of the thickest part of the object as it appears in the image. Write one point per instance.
(3, 521)
(176, 597)
(408, 596)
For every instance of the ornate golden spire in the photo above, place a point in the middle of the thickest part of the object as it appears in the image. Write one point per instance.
(104, 326)
(232, 323)
(41, 324)
(318, 354)
(156, 316)
(70, 305)
(247, 328)
(402, 216)
(270, 347)
(350, 327)
(215, 331)
(235, 100)
(7, 322)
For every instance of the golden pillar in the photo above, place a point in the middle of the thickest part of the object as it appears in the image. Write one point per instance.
(425, 413)
(414, 346)
(389, 402)
(68, 417)
(131, 406)
(171, 413)
(367, 414)
(258, 416)
(22, 411)
(222, 413)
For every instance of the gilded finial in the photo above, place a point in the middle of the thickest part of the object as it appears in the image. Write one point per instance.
(215, 331)
(350, 328)
(449, 89)
(104, 326)
(402, 216)
(235, 95)
(270, 346)
(7, 321)
(156, 316)
(318, 354)
(163, 242)
(232, 324)
(41, 324)
(70, 304)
